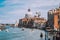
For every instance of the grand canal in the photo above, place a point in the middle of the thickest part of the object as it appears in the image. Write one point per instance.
(19, 34)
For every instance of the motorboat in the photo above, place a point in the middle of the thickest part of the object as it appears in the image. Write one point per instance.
(7, 30)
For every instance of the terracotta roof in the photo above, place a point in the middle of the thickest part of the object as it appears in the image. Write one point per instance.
(24, 19)
(34, 19)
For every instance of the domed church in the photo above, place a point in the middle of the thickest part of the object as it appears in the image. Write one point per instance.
(28, 14)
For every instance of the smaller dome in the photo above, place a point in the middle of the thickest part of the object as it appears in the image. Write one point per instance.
(29, 10)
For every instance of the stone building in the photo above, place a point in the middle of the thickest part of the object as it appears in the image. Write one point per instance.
(32, 21)
(54, 18)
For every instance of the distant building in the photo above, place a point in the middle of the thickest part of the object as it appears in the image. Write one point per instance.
(16, 24)
(28, 14)
(39, 22)
(54, 18)
(50, 19)
(32, 22)
(20, 22)
(23, 22)
(2, 27)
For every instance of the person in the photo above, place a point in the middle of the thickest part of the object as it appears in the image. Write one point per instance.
(49, 39)
(41, 35)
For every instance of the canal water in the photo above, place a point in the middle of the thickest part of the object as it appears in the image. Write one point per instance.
(19, 34)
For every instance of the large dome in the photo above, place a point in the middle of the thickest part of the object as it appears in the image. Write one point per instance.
(28, 14)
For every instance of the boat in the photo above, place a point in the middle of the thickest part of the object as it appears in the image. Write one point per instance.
(0, 29)
(7, 30)
(23, 29)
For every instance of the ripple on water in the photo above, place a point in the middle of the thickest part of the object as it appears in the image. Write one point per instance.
(18, 34)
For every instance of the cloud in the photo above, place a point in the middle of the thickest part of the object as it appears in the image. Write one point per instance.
(16, 9)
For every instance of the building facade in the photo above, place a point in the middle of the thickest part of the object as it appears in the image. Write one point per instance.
(54, 18)
(30, 21)
(50, 19)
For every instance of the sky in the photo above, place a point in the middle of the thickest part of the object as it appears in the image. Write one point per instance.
(12, 10)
